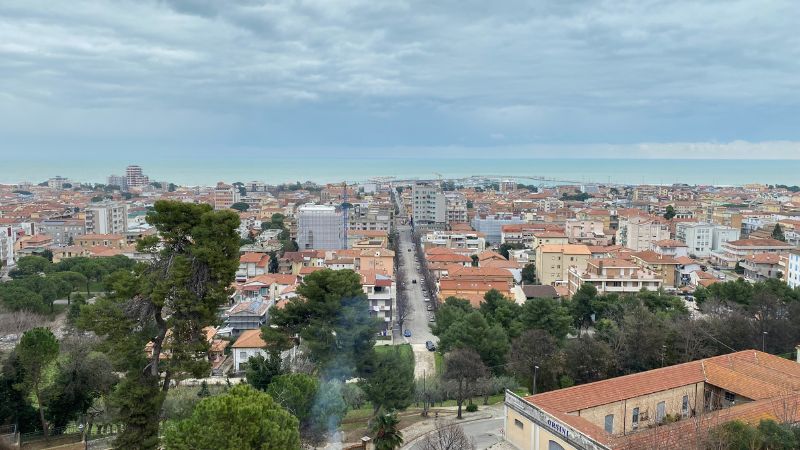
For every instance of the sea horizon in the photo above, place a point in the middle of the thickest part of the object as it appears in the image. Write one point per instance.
(276, 170)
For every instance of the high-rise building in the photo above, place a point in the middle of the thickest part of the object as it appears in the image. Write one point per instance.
(319, 227)
(106, 218)
(456, 205)
(225, 195)
(118, 180)
(428, 206)
(135, 178)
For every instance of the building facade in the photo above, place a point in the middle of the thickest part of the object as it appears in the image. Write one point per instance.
(428, 206)
(319, 227)
(613, 275)
(63, 231)
(793, 269)
(225, 195)
(640, 233)
(106, 218)
(703, 238)
(135, 178)
(491, 225)
(553, 262)
(672, 407)
(456, 205)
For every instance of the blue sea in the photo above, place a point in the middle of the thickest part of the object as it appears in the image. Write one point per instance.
(332, 169)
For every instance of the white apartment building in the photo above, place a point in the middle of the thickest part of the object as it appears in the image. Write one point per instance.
(7, 239)
(613, 275)
(640, 233)
(370, 217)
(703, 238)
(456, 205)
(793, 269)
(319, 227)
(106, 218)
(471, 242)
(428, 206)
(589, 232)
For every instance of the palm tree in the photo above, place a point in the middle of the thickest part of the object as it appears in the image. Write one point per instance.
(387, 436)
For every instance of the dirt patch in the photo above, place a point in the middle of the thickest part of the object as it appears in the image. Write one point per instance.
(424, 361)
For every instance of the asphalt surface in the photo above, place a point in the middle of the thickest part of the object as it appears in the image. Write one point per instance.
(417, 322)
(485, 433)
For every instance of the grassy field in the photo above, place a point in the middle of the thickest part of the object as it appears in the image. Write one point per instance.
(404, 349)
(438, 360)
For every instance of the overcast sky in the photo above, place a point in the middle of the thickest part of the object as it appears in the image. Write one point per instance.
(681, 78)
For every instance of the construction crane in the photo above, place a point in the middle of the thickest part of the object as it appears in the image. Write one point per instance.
(345, 215)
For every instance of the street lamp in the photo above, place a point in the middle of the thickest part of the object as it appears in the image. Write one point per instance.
(763, 341)
(535, 372)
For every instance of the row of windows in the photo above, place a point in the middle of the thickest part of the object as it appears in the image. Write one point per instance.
(661, 413)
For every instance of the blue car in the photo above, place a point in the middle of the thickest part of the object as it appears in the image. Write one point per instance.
(407, 333)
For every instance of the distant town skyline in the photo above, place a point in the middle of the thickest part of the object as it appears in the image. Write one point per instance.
(203, 79)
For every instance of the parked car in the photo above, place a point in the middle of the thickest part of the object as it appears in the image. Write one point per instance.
(430, 346)
(407, 333)
(431, 319)
(414, 281)
(430, 308)
(426, 299)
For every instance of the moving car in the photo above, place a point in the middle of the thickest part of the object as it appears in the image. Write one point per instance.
(407, 333)
(414, 281)
(430, 346)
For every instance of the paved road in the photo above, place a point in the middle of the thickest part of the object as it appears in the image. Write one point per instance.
(486, 433)
(418, 320)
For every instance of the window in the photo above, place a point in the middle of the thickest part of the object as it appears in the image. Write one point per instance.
(553, 445)
(635, 418)
(661, 411)
(609, 424)
(685, 406)
(243, 355)
(518, 424)
(730, 397)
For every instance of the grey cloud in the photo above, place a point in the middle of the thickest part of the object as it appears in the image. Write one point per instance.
(552, 71)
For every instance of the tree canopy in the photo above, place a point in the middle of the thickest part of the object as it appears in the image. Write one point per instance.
(195, 257)
(241, 418)
(331, 315)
